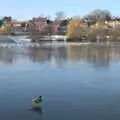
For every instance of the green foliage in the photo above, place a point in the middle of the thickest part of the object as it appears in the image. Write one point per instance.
(1, 23)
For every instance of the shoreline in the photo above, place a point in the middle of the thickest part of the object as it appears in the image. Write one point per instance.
(39, 45)
(6, 41)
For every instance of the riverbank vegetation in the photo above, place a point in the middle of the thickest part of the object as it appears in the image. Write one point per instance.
(98, 25)
(4, 27)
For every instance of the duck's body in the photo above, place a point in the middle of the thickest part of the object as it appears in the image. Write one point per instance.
(37, 100)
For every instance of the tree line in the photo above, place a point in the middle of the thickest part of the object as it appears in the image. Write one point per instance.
(89, 26)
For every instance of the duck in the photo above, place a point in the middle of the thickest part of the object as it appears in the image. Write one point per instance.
(37, 100)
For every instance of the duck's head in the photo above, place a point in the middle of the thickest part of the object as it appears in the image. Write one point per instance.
(40, 97)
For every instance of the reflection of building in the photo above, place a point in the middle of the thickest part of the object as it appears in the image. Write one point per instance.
(39, 55)
(97, 55)
(6, 56)
(45, 54)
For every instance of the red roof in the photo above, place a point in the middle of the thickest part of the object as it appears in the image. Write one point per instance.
(15, 22)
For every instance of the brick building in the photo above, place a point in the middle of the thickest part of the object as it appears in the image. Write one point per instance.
(37, 24)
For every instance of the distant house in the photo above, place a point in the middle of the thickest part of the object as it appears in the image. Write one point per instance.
(15, 23)
(112, 23)
(43, 24)
(115, 22)
(59, 27)
(17, 27)
(55, 26)
(37, 24)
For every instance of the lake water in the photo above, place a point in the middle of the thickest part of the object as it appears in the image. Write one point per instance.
(77, 83)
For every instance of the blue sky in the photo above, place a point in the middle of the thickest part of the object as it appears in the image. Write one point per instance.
(26, 9)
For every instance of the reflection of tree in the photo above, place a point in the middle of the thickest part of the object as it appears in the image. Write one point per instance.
(6, 55)
(60, 55)
(99, 56)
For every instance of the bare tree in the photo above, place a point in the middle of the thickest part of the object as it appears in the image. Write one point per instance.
(97, 15)
(60, 15)
(49, 17)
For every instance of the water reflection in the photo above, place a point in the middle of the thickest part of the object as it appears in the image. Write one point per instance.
(37, 110)
(72, 92)
(39, 54)
(7, 56)
(95, 55)
(99, 56)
